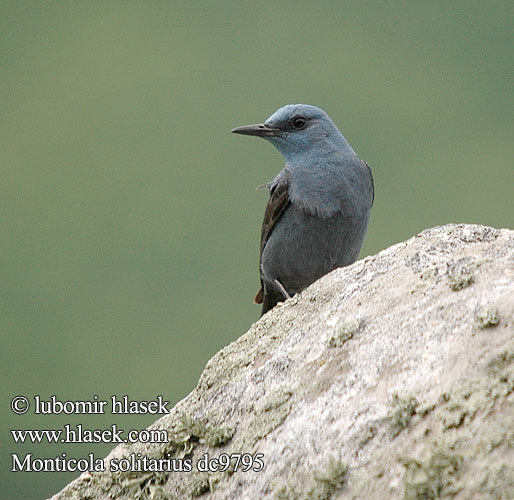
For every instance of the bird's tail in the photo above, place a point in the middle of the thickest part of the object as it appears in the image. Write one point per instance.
(270, 298)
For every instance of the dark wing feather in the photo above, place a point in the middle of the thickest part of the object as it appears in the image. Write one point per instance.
(372, 185)
(277, 203)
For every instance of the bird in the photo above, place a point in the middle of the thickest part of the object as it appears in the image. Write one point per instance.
(319, 206)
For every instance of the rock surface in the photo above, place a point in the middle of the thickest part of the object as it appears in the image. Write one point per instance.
(391, 378)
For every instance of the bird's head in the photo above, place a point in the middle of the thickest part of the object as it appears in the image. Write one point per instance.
(300, 132)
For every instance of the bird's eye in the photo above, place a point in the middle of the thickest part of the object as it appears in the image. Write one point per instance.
(299, 122)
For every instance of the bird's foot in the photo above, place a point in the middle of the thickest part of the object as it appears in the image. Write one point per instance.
(282, 289)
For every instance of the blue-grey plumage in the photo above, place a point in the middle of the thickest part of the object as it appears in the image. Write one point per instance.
(319, 206)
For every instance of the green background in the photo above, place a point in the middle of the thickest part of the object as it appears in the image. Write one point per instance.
(129, 220)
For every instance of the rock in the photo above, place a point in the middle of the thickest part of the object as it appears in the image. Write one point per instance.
(391, 378)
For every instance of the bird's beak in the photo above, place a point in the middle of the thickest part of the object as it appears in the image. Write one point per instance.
(259, 129)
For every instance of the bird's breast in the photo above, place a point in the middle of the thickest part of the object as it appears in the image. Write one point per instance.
(323, 189)
(304, 246)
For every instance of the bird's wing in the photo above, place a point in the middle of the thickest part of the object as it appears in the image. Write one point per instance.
(277, 203)
(372, 185)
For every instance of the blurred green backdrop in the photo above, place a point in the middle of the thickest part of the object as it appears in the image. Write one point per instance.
(129, 224)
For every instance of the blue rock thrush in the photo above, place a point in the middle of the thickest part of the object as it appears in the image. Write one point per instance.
(319, 206)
